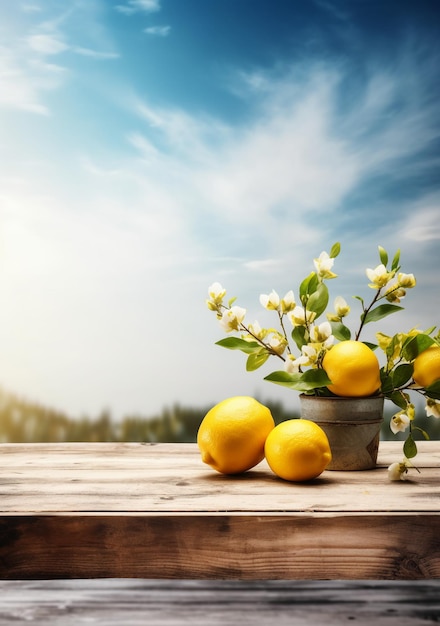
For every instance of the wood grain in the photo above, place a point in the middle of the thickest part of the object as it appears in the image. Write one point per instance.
(56, 478)
(215, 603)
(155, 511)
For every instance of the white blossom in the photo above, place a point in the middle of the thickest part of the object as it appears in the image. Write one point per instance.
(323, 265)
(321, 332)
(271, 301)
(432, 408)
(379, 276)
(399, 422)
(299, 316)
(397, 471)
(293, 364)
(216, 292)
(232, 318)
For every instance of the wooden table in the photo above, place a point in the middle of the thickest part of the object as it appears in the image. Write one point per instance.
(134, 602)
(113, 510)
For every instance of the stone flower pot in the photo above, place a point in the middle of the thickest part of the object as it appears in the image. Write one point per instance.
(352, 426)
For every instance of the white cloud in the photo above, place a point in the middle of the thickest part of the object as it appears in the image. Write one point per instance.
(95, 54)
(135, 6)
(22, 84)
(31, 8)
(47, 44)
(423, 223)
(296, 160)
(27, 73)
(262, 265)
(160, 31)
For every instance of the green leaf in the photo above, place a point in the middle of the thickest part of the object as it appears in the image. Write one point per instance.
(409, 447)
(372, 346)
(307, 381)
(380, 312)
(386, 386)
(433, 391)
(298, 336)
(415, 345)
(360, 300)
(231, 301)
(383, 255)
(335, 250)
(402, 374)
(308, 286)
(398, 399)
(340, 331)
(395, 262)
(429, 330)
(318, 300)
(256, 360)
(235, 343)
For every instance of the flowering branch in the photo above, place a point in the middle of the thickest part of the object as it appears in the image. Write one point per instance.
(304, 372)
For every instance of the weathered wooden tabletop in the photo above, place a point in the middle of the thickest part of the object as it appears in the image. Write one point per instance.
(134, 602)
(112, 510)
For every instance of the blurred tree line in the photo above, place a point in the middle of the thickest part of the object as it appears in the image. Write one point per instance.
(22, 421)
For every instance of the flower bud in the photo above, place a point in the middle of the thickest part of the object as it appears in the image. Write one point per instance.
(406, 280)
(270, 302)
(278, 343)
(288, 302)
(395, 294)
(341, 307)
(257, 331)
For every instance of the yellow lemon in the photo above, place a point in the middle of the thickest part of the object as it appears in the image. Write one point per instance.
(232, 434)
(353, 369)
(427, 366)
(297, 450)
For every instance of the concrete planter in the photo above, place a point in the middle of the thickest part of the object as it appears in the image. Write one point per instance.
(352, 426)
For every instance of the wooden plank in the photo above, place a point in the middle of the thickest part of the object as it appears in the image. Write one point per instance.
(155, 511)
(221, 546)
(215, 603)
(41, 478)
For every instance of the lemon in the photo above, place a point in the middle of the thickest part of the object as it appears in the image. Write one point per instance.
(232, 434)
(297, 450)
(427, 366)
(353, 369)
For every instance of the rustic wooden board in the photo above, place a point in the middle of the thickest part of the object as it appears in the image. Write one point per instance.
(54, 478)
(155, 511)
(215, 603)
(220, 547)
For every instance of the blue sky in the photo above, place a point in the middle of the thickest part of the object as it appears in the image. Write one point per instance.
(151, 147)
